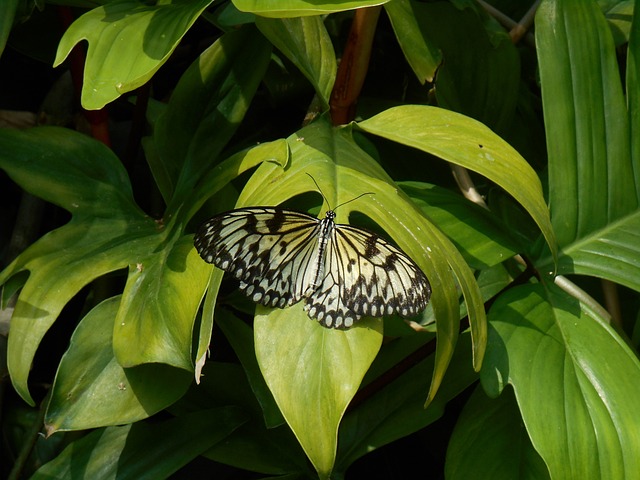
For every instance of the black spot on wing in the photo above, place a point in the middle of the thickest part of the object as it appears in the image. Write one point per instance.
(274, 224)
(371, 248)
(390, 262)
(351, 264)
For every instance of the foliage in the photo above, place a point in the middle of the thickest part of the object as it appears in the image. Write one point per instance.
(165, 358)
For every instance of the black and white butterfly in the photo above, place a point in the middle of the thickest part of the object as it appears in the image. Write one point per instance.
(344, 273)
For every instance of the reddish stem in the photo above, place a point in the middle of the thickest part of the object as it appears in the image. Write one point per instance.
(98, 119)
(353, 66)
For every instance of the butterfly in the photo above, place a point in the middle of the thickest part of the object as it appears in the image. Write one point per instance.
(342, 272)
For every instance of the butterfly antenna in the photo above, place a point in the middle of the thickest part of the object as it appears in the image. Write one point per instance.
(320, 190)
(341, 204)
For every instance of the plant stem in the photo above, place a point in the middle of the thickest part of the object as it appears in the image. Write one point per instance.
(353, 65)
(30, 441)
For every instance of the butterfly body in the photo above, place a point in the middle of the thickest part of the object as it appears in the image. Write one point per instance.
(342, 272)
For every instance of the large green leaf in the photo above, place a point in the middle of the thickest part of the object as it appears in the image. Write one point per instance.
(115, 452)
(468, 143)
(107, 231)
(305, 41)
(70, 170)
(313, 373)
(213, 95)
(92, 390)
(574, 378)
(594, 184)
(591, 177)
(490, 441)
(128, 42)
(300, 8)
(343, 171)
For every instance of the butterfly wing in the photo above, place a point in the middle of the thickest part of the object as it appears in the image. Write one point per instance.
(365, 275)
(281, 256)
(272, 252)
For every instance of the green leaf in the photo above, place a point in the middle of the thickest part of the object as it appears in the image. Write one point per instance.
(155, 320)
(300, 8)
(240, 336)
(574, 379)
(590, 143)
(633, 97)
(490, 441)
(92, 390)
(149, 32)
(343, 171)
(480, 74)
(68, 169)
(212, 96)
(397, 409)
(276, 153)
(7, 13)
(106, 233)
(115, 452)
(478, 235)
(591, 177)
(313, 373)
(612, 252)
(423, 56)
(619, 15)
(63, 262)
(252, 446)
(305, 41)
(468, 143)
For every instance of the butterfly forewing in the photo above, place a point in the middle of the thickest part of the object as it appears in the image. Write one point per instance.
(267, 249)
(282, 256)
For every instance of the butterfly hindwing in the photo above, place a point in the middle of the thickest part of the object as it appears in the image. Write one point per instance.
(282, 256)
(366, 276)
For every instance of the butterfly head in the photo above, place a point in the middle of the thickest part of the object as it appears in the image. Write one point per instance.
(331, 215)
